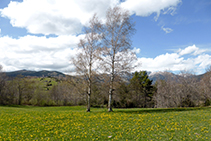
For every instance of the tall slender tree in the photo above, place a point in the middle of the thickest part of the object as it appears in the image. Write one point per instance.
(117, 53)
(90, 49)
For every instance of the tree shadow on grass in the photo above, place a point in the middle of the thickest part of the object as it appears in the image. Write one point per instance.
(18, 106)
(158, 110)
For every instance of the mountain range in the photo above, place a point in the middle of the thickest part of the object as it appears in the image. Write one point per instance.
(44, 73)
(162, 76)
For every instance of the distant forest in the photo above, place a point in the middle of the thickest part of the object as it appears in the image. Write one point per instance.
(48, 88)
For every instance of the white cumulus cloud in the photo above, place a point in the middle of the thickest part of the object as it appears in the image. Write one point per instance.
(176, 61)
(148, 7)
(191, 49)
(38, 53)
(54, 16)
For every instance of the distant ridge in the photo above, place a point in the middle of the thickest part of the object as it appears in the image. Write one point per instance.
(161, 76)
(43, 73)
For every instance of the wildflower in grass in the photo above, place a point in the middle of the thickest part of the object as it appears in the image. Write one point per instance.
(63, 125)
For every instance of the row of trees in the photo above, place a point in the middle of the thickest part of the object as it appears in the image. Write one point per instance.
(138, 92)
(38, 91)
(184, 90)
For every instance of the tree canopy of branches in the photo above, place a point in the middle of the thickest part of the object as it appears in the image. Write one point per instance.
(118, 57)
(181, 90)
(85, 60)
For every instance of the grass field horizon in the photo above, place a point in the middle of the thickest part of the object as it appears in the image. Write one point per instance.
(73, 123)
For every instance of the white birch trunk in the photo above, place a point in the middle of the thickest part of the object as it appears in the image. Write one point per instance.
(89, 85)
(111, 88)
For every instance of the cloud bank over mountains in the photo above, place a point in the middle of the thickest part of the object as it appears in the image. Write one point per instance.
(38, 53)
(178, 61)
(65, 19)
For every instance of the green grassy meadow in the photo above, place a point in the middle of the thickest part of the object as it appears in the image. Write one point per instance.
(73, 123)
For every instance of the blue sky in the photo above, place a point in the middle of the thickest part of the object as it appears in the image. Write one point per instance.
(43, 35)
(190, 24)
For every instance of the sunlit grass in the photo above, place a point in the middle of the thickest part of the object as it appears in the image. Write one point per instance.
(73, 123)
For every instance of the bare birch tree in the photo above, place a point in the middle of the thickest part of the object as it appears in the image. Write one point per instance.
(118, 56)
(84, 61)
